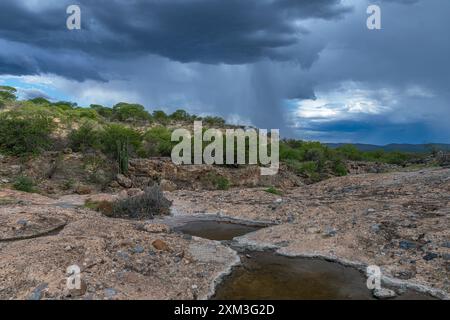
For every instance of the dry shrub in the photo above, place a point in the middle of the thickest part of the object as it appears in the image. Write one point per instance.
(144, 206)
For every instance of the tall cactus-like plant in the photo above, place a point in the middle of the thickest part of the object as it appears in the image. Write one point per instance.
(122, 156)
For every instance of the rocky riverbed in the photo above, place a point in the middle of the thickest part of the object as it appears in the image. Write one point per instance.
(119, 259)
(398, 221)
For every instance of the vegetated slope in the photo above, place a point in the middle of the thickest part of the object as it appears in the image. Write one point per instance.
(401, 147)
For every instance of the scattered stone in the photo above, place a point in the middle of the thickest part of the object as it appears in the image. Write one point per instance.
(446, 244)
(22, 222)
(330, 232)
(68, 248)
(407, 245)
(123, 255)
(110, 292)
(370, 210)
(375, 228)
(156, 228)
(160, 245)
(138, 249)
(384, 293)
(430, 256)
(404, 274)
(313, 230)
(446, 256)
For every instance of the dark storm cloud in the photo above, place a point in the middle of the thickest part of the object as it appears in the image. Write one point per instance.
(246, 58)
(205, 31)
(21, 59)
(374, 130)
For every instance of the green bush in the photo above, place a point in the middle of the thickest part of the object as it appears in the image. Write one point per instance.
(217, 181)
(40, 101)
(24, 183)
(273, 190)
(157, 142)
(25, 133)
(339, 168)
(85, 137)
(144, 206)
(160, 117)
(116, 134)
(350, 152)
(105, 112)
(82, 113)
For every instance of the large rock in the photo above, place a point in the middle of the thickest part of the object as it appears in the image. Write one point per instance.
(124, 181)
(384, 293)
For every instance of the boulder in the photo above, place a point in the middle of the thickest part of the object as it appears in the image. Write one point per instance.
(160, 245)
(124, 181)
(167, 185)
(384, 293)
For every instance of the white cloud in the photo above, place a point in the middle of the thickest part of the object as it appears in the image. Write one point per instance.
(346, 101)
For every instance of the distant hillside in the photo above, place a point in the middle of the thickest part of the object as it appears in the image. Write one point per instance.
(396, 147)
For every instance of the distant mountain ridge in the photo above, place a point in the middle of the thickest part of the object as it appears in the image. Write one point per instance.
(403, 147)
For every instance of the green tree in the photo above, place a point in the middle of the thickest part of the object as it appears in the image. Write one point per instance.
(130, 112)
(8, 93)
(157, 142)
(160, 117)
(85, 137)
(25, 133)
(350, 152)
(180, 115)
(40, 101)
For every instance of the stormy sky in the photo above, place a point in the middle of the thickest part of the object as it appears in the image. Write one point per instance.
(308, 67)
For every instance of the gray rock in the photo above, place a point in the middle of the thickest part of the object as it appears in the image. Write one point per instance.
(446, 256)
(384, 293)
(110, 292)
(430, 256)
(123, 255)
(22, 222)
(446, 244)
(329, 232)
(138, 249)
(407, 245)
(375, 228)
(38, 291)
